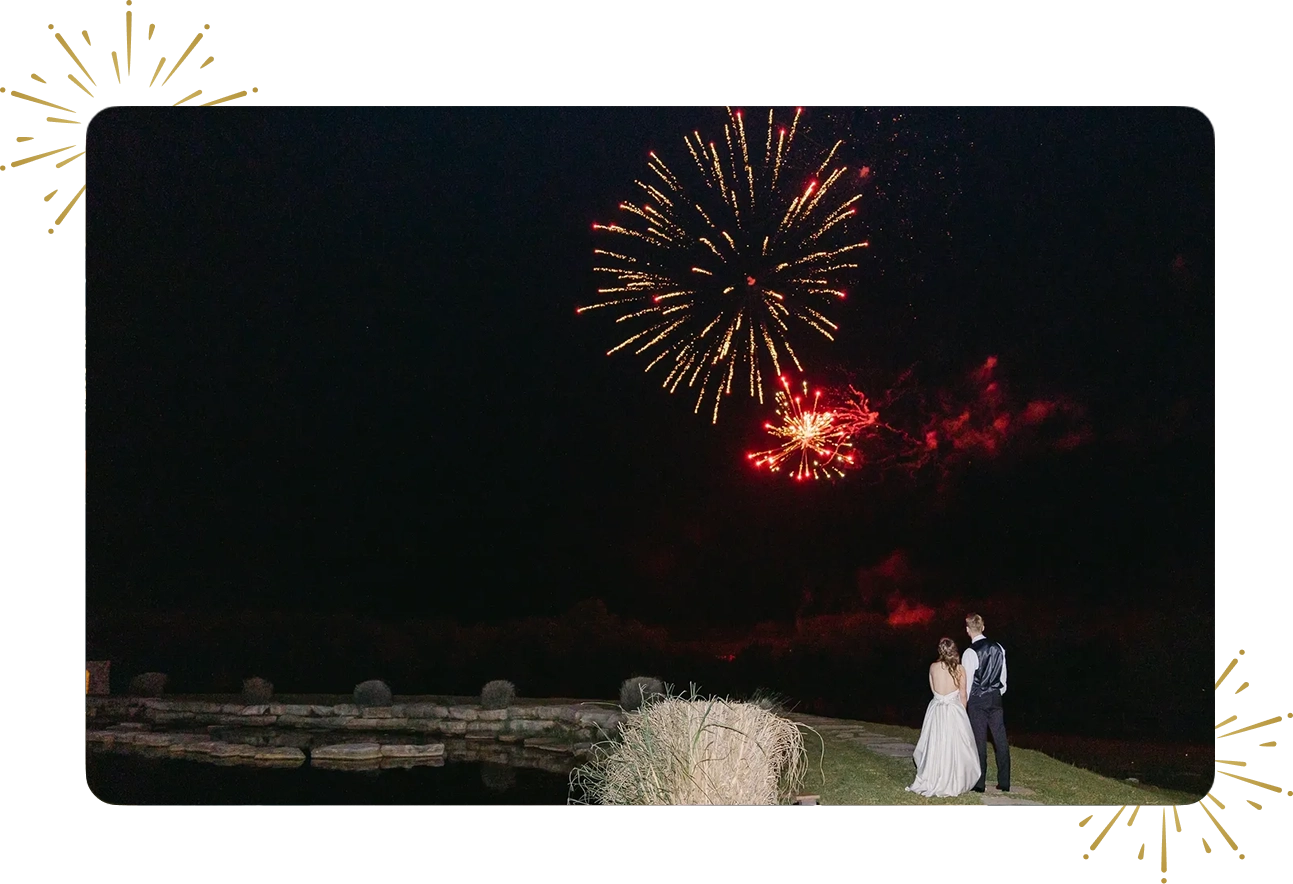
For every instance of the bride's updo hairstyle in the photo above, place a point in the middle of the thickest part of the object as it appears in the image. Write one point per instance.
(950, 657)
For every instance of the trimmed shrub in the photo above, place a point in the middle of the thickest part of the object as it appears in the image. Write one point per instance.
(497, 694)
(372, 693)
(770, 701)
(148, 684)
(638, 691)
(257, 690)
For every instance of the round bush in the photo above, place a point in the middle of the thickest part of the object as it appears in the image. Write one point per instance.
(372, 693)
(640, 690)
(148, 684)
(257, 690)
(497, 694)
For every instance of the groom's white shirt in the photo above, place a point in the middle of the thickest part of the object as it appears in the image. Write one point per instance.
(970, 663)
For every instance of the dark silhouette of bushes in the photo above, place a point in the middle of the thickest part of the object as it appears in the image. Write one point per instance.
(257, 690)
(497, 694)
(148, 684)
(638, 691)
(372, 693)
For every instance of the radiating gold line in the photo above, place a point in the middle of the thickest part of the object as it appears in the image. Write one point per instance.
(1163, 844)
(69, 160)
(24, 138)
(1221, 829)
(1256, 725)
(1239, 763)
(57, 120)
(1250, 782)
(1227, 721)
(71, 54)
(115, 67)
(78, 83)
(51, 193)
(1230, 667)
(1084, 822)
(1271, 743)
(188, 51)
(37, 79)
(39, 100)
(129, 40)
(1254, 804)
(241, 94)
(86, 35)
(150, 31)
(1206, 848)
(1141, 855)
(154, 80)
(1134, 811)
(186, 98)
(1242, 686)
(1176, 816)
(207, 62)
(1100, 836)
(1218, 803)
(36, 158)
(67, 210)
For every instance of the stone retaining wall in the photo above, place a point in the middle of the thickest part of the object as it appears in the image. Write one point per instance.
(552, 737)
(192, 746)
(579, 722)
(267, 751)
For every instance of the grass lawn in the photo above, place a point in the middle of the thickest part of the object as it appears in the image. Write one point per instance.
(848, 773)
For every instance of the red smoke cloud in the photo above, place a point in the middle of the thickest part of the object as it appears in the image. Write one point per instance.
(907, 429)
(895, 567)
(903, 614)
(983, 420)
(893, 580)
(890, 579)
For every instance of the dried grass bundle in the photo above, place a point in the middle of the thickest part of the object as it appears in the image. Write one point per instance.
(696, 751)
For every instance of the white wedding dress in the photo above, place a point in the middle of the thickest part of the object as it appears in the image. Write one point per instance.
(947, 761)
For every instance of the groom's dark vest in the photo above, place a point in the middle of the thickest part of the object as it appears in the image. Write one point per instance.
(987, 677)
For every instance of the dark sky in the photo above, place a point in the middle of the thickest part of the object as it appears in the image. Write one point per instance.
(333, 363)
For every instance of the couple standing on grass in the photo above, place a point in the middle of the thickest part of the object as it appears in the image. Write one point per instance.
(952, 753)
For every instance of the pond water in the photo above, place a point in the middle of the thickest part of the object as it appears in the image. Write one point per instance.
(119, 778)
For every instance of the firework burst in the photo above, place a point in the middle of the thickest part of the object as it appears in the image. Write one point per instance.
(840, 429)
(815, 439)
(722, 265)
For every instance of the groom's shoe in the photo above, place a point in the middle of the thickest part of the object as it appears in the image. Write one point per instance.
(979, 789)
(1003, 788)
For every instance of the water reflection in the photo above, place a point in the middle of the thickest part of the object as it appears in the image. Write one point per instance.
(149, 777)
(263, 747)
(497, 777)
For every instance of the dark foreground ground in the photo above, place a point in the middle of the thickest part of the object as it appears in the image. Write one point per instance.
(1184, 766)
(1179, 765)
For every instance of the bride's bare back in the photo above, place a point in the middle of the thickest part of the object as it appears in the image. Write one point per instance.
(941, 681)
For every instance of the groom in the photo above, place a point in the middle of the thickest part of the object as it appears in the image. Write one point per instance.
(984, 662)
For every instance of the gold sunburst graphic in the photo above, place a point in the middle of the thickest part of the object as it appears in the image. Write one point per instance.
(100, 72)
(1198, 820)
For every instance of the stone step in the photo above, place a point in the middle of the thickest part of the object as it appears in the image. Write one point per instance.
(429, 751)
(856, 732)
(347, 752)
(284, 754)
(548, 745)
(999, 799)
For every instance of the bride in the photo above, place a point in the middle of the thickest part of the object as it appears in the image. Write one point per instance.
(947, 762)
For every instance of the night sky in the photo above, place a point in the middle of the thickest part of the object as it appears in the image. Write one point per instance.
(333, 364)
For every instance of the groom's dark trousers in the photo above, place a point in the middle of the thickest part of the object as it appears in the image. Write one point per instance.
(986, 715)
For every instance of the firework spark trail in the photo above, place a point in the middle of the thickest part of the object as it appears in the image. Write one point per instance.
(980, 420)
(841, 430)
(725, 265)
(815, 445)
